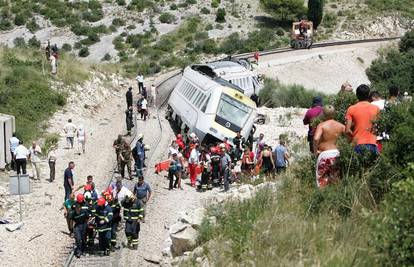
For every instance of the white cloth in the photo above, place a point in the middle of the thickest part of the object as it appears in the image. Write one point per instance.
(172, 150)
(81, 135)
(52, 155)
(35, 154)
(140, 78)
(21, 152)
(14, 143)
(144, 104)
(322, 163)
(379, 103)
(70, 129)
(122, 193)
(194, 156)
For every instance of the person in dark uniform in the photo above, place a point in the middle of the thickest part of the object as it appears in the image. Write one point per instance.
(129, 120)
(103, 221)
(129, 97)
(133, 213)
(80, 218)
(116, 210)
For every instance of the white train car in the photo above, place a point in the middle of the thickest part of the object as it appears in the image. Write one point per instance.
(210, 107)
(234, 72)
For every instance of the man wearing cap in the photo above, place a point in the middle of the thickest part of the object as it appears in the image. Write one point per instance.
(80, 218)
(314, 112)
(103, 219)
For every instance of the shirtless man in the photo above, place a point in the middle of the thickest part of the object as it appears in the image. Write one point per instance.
(324, 145)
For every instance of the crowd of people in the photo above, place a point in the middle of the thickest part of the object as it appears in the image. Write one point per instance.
(359, 127)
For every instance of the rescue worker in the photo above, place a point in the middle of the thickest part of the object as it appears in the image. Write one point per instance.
(68, 206)
(116, 210)
(80, 217)
(193, 162)
(143, 192)
(133, 213)
(103, 221)
(139, 151)
(129, 120)
(118, 143)
(90, 206)
(180, 142)
(125, 155)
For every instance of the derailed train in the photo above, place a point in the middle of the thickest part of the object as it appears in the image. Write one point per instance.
(210, 106)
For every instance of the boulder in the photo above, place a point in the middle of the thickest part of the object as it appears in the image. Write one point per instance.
(193, 218)
(184, 240)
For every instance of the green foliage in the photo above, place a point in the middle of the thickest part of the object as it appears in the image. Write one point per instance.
(33, 42)
(140, 5)
(395, 225)
(5, 24)
(285, 10)
(315, 12)
(205, 10)
(167, 18)
(393, 68)
(32, 26)
(50, 141)
(25, 91)
(118, 22)
(121, 2)
(106, 57)
(215, 3)
(19, 42)
(221, 15)
(83, 52)
(274, 94)
(329, 20)
(66, 47)
(407, 41)
(342, 101)
(173, 7)
(405, 7)
(19, 19)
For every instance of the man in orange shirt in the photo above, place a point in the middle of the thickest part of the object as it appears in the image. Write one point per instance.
(359, 122)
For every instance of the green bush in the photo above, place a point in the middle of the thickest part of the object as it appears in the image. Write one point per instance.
(118, 43)
(215, 3)
(191, 2)
(19, 19)
(404, 7)
(19, 42)
(50, 140)
(32, 26)
(91, 39)
(286, 10)
(315, 12)
(106, 57)
(33, 42)
(121, 2)
(83, 52)
(118, 22)
(167, 18)
(66, 47)
(274, 94)
(205, 10)
(329, 20)
(221, 15)
(407, 41)
(5, 24)
(173, 7)
(395, 225)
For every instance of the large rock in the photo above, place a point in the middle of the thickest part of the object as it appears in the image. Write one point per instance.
(183, 240)
(193, 218)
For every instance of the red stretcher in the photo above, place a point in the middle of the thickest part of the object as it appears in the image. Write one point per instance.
(162, 166)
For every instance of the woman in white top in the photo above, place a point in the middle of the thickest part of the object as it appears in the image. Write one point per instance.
(81, 134)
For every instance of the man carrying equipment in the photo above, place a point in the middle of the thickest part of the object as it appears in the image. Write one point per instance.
(103, 221)
(80, 218)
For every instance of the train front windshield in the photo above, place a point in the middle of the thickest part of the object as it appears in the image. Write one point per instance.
(231, 113)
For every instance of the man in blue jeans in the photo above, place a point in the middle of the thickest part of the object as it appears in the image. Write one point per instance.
(281, 156)
(68, 183)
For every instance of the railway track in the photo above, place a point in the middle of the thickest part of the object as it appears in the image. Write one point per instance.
(96, 260)
(92, 259)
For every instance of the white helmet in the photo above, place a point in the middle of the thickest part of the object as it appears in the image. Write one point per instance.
(140, 136)
(88, 195)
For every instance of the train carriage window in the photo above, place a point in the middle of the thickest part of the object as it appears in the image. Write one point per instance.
(203, 109)
(200, 100)
(195, 97)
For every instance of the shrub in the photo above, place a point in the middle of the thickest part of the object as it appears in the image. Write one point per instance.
(215, 3)
(19, 42)
(91, 39)
(209, 27)
(77, 45)
(50, 140)
(32, 26)
(83, 52)
(33, 42)
(395, 225)
(121, 2)
(407, 41)
(191, 2)
(19, 19)
(286, 10)
(66, 47)
(167, 18)
(274, 94)
(118, 22)
(221, 15)
(205, 10)
(5, 24)
(330, 20)
(118, 43)
(173, 7)
(106, 57)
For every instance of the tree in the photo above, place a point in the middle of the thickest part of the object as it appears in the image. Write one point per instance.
(285, 10)
(315, 12)
(407, 41)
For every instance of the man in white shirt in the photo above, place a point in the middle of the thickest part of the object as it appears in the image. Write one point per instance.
(20, 155)
(70, 131)
(140, 80)
(14, 142)
(144, 109)
(34, 155)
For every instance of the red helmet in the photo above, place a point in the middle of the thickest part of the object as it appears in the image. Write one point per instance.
(101, 201)
(179, 136)
(80, 198)
(87, 187)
